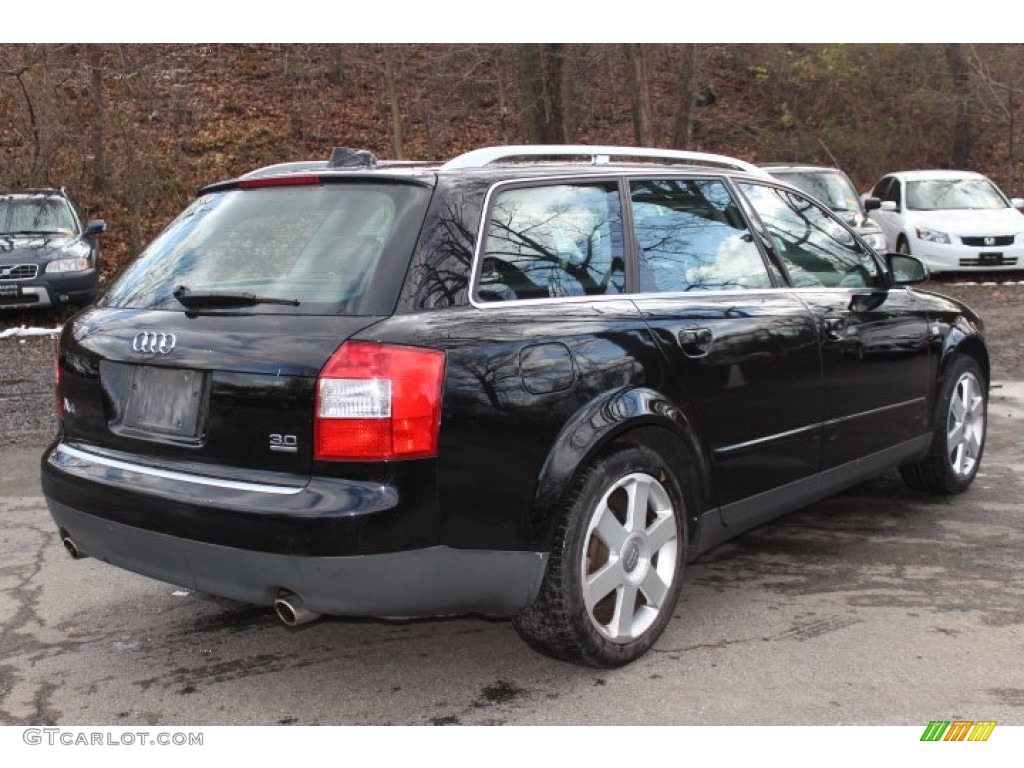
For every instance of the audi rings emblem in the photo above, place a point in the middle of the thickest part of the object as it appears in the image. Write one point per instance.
(154, 342)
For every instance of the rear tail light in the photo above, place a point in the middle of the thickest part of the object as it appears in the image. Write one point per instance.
(378, 401)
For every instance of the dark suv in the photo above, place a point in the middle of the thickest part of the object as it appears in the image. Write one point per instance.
(532, 389)
(48, 256)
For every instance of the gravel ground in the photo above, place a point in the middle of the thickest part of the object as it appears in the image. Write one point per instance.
(26, 391)
(26, 363)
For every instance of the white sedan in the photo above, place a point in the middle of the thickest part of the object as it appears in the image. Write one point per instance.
(954, 221)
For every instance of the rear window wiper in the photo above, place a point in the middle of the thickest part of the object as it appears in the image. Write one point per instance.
(203, 299)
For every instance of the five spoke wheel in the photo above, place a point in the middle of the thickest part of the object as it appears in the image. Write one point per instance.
(965, 425)
(630, 557)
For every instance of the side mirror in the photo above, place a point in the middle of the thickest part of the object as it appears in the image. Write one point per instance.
(95, 227)
(888, 205)
(1017, 202)
(871, 203)
(906, 269)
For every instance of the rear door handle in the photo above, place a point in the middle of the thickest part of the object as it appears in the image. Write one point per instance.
(695, 342)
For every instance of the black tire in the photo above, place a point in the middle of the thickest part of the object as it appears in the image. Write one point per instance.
(582, 620)
(903, 246)
(958, 441)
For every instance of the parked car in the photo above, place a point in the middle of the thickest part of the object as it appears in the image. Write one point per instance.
(833, 188)
(529, 382)
(48, 256)
(954, 221)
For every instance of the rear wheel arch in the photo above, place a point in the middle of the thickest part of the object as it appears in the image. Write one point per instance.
(648, 420)
(615, 571)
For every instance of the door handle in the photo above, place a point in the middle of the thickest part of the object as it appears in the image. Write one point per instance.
(834, 327)
(695, 342)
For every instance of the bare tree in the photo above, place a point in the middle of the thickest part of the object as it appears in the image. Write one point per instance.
(99, 158)
(636, 72)
(1005, 98)
(530, 71)
(392, 74)
(962, 134)
(681, 133)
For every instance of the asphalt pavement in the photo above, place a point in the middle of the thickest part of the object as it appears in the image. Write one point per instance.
(881, 606)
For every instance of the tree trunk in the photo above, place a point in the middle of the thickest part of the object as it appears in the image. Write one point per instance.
(99, 156)
(391, 74)
(530, 70)
(962, 137)
(682, 132)
(19, 75)
(636, 72)
(556, 89)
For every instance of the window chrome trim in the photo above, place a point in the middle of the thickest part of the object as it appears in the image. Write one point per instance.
(528, 182)
(164, 474)
(598, 178)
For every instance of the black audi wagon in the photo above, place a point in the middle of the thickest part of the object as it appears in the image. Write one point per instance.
(529, 382)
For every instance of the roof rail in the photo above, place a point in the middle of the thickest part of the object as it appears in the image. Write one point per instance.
(599, 155)
(292, 167)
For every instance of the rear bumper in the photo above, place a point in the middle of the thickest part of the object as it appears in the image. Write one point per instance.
(344, 546)
(423, 582)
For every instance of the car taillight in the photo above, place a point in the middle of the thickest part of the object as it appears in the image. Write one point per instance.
(378, 401)
(58, 389)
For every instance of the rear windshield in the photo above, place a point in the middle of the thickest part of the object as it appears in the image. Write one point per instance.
(332, 248)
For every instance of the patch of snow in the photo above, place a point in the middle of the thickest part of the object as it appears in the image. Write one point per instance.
(23, 331)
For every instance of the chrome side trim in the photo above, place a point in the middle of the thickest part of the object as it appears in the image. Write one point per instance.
(873, 411)
(724, 451)
(770, 438)
(184, 477)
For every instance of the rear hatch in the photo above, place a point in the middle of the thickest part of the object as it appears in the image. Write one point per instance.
(207, 349)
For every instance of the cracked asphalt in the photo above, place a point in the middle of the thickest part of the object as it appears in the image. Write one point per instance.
(881, 606)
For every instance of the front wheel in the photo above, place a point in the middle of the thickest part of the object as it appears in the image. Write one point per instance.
(615, 570)
(959, 436)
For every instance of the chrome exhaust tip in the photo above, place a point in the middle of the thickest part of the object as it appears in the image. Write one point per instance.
(72, 548)
(292, 611)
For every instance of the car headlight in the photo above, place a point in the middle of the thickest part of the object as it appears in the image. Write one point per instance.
(932, 236)
(877, 241)
(67, 265)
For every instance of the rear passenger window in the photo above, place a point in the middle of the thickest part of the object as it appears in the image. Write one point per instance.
(552, 241)
(691, 236)
(817, 250)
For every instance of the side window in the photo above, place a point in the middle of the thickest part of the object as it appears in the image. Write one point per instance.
(881, 189)
(816, 249)
(892, 193)
(691, 236)
(551, 241)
